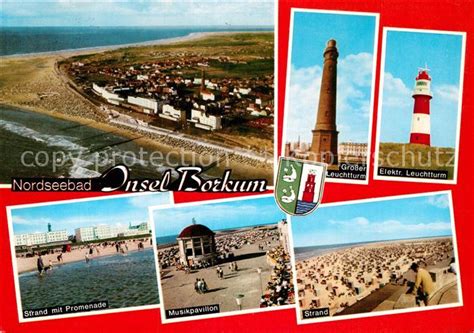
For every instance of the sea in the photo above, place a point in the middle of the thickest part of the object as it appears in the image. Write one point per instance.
(122, 280)
(37, 144)
(26, 40)
(306, 252)
(163, 241)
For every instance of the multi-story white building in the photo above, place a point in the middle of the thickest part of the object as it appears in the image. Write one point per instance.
(352, 149)
(150, 106)
(38, 238)
(87, 234)
(110, 97)
(204, 121)
(171, 113)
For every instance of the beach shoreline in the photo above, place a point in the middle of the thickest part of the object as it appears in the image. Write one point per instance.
(25, 265)
(41, 69)
(341, 247)
(98, 49)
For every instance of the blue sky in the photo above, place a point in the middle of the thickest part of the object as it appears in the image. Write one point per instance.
(354, 35)
(423, 216)
(117, 210)
(137, 13)
(405, 53)
(216, 216)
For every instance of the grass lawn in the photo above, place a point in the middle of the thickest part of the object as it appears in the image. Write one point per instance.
(419, 157)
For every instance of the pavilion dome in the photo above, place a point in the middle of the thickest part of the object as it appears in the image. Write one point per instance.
(195, 230)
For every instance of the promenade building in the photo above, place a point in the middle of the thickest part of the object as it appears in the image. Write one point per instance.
(92, 233)
(38, 238)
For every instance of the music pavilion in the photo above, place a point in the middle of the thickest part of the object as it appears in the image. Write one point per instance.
(197, 245)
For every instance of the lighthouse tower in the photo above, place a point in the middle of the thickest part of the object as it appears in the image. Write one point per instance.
(420, 125)
(308, 194)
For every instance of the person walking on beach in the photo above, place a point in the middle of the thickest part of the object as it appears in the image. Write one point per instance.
(196, 286)
(60, 257)
(117, 247)
(40, 264)
(424, 286)
(203, 286)
(87, 258)
(199, 286)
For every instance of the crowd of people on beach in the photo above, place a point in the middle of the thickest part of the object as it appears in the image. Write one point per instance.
(340, 278)
(91, 250)
(226, 244)
(280, 290)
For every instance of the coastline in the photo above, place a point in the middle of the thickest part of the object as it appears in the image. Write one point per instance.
(98, 49)
(42, 77)
(343, 247)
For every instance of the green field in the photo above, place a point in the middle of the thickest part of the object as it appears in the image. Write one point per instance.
(254, 53)
(419, 157)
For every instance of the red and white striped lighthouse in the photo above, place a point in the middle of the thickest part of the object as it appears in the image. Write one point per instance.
(420, 125)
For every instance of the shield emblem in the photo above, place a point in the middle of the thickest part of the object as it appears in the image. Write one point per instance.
(299, 185)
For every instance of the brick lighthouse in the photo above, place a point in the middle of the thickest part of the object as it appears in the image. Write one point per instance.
(324, 145)
(420, 125)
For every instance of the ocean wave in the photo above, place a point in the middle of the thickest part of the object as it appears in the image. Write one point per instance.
(61, 141)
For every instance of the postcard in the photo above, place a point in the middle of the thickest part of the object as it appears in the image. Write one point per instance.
(222, 257)
(420, 105)
(84, 257)
(330, 89)
(376, 257)
(154, 91)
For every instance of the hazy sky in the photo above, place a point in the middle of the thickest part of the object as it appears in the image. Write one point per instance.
(137, 13)
(405, 53)
(423, 216)
(354, 35)
(224, 215)
(117, 210)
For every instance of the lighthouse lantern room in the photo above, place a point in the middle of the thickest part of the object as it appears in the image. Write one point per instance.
(420, 125)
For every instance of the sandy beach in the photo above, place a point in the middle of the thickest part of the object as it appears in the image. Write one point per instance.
(34, 82)
(76, 254)
(370, 277)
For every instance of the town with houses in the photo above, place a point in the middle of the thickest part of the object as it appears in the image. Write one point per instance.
(177, 93)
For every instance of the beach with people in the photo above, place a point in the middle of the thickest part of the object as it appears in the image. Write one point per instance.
(376, 276)
(58, 257)
(251, 265)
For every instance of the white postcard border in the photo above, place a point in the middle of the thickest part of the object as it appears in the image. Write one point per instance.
(380, 105)
(164, 320)
(19, 304)
(372, 94)
(460, 303)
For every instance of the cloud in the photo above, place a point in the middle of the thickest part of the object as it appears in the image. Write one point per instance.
(137, 13)
(362, 225)
(439, 201)
(353, 98)
(395, 92)
(447, 92)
